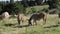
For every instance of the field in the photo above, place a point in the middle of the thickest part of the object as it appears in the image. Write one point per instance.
(10, 26)
(52, 26)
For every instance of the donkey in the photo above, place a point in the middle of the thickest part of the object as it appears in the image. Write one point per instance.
(21, 18)
(36, 17)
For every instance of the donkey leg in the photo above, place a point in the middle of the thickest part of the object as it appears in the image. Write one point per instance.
(19, 22)
(44, 19)
(22, 21)
(35, 22)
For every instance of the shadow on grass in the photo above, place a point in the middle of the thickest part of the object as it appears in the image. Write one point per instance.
(52, 26)
(21, 26)
(14, 25)
(57, 25)
(9, 25)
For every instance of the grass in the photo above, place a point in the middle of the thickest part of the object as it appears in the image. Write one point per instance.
(36, 8)
(10, 26)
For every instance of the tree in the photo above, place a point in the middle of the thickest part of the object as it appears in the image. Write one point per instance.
(39, 2)
(24, 2)
(19, 7)
(0, 7)
(13, 8)
(11, 1)
(53, 3)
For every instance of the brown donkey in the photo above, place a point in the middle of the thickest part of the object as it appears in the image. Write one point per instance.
(36, 17)
(21, 18)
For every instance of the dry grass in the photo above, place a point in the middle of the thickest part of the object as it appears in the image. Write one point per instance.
(10, 26)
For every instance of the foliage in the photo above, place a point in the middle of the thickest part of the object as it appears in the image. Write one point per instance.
(36, 9)
(12, 8)
(19, 6)
(53, 3)
(9, 8)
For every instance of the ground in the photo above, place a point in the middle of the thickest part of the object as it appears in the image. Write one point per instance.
(52, 26)
(10, 26)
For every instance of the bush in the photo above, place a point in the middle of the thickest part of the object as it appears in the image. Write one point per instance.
(14, 8)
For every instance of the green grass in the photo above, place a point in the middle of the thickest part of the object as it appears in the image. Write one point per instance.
(10, 26)
(52, 21)
(36, 9)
